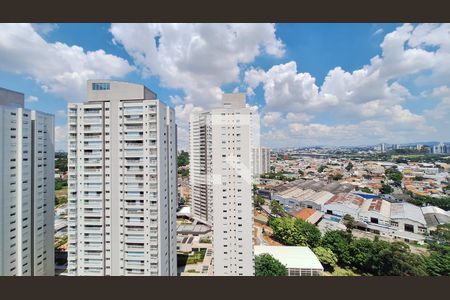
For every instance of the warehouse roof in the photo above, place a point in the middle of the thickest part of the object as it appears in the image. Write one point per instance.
(291, 256)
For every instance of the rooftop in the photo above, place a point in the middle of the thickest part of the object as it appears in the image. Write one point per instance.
(291, 256)
(406, 210)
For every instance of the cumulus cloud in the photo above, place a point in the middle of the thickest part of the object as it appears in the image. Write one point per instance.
(197, 58)
(58, 68)
(61, 113)
(60, 138)
(31, 99)
(372, 100)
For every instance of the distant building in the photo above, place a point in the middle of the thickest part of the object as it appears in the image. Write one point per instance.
(435, 216)
(261, 161)
(439, 149)
(26, 188)
(300, 261)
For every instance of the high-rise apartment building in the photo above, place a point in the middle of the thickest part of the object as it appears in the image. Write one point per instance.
(221, 176)
(122, 160)
(26, 188)
(261, 158)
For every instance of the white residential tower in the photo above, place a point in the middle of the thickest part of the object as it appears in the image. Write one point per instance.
(26, 188)
(221, 177)
(122, 182)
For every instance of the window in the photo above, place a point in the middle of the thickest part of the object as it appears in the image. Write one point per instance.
(100, 86)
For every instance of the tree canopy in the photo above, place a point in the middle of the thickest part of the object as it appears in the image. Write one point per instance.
(294, 232)
(183, 159)
(267, 265)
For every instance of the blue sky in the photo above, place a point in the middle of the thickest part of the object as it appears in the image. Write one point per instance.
(314, 84)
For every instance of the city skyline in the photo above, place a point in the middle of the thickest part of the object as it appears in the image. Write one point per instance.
(314, 84)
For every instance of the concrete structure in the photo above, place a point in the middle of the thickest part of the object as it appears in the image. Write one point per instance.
(261, 159)
(122, 182)
(408, 217)
(435, 216)
(344, 204)
(26, 188)
(221, 167)
(300, 261)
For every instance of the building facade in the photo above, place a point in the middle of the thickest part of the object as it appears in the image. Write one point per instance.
(27, 189)
(122, 182)
(261, 158)
(221, 170)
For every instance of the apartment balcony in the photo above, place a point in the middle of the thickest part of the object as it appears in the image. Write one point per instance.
(93, 145)
(134, 230)
(92, 239)
(92, 120)
(134, 212)
(132, 205)
(133, 153)
(133, 120)
(135, 239)
(88, 170)
(93, 203)
(135, 254)
(133, 128)
(93, 246)
(93, 129)
(93, 229)
(92, 213)
(135, 265)
(134, 187)
(95, 255)
(133, 222)
(94, 221)
(133, 134)
(134, 170)
(134, 162)
(134, 247)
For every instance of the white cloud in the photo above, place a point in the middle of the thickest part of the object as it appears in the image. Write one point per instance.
(182, 114)
(271, 118)
(31, 99)
(197, 58)
(57, 67)
(44, 28)
(369, 104)
(378, 31)
(60, 138)
(61, 113)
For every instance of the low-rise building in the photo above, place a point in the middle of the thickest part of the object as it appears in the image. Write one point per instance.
(300, 261)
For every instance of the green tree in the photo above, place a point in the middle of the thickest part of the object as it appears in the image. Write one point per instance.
(343, 272)
(349, 222)
(386, 189)
(326, 257)
(301, 173)
(321, 168)
(394, 175)
(366, 190)
(337, 177)
(294, 232)
(338, 241)
(397, 260)
(349, 166)
(438, 262)
(267, 265)
(442, 233)
(276, 208)
(183, 172)
(360, 255)
(259, 200)
(183, 159)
